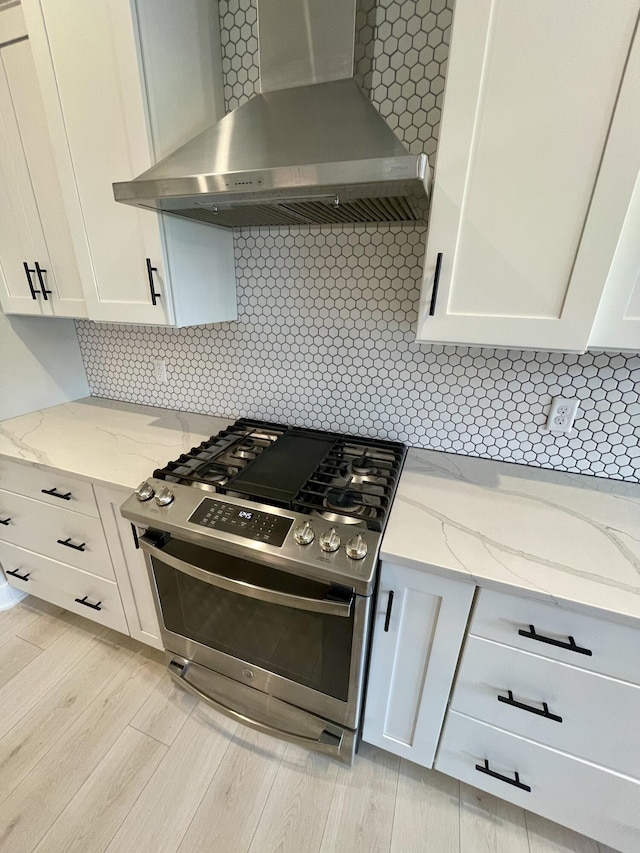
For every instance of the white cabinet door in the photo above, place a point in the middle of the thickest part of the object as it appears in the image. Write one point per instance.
(133, 79)
(39, 271)
(129, 567)
(531, 90)
(419, 626)
(613, 227)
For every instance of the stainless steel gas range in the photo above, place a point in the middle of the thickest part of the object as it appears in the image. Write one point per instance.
(262, 549)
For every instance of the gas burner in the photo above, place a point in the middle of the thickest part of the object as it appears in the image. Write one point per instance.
(342, 500)
(362, 465)
(210, 479)
(346, 507)
(359, 471)
(218, 478)
(246, 450)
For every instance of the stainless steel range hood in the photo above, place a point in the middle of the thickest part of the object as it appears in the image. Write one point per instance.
(311, 148)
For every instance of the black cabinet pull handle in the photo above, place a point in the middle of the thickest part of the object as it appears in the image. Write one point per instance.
(16, 574)
(436, 282)
(43, 286)
(484, 768)
(56, 494)
(88, 603)
(561, 644)
(136, 542)
(27, 272)
(70, 544)
(541, 712)
(387, 618)
(5, 520)
(154, 293)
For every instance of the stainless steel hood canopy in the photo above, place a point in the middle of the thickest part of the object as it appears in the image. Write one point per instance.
(315, 152)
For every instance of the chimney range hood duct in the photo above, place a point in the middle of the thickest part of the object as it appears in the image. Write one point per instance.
(310, 149)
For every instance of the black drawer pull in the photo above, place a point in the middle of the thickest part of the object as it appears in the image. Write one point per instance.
(154, 293)
(56, 494)
(484, 768)
(387, 617)
(5, 520)
(46, 293)
(541, 712)
(88, 603)
(27, 272)
(16, 574)
(70, 544)
(436, 282)
(561, 644)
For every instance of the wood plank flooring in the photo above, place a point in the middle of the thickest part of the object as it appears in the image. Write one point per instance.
(99, 751)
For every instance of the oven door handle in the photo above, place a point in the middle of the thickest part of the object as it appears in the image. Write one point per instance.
(328, 742)
(249, 590)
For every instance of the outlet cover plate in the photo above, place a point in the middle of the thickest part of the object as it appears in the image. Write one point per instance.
(561, 416)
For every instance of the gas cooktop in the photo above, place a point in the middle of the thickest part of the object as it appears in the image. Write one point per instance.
(343, 479)
(311, 502)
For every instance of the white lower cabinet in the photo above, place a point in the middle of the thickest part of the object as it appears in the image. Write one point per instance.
(543, 714)
(129, 566)
(63, 540)
(418, 629)
(583, 796)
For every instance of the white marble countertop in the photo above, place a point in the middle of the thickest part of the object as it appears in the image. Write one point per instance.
(104, 441)
(561, 537)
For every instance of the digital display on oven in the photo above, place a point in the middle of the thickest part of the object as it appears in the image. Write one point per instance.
(251, 524)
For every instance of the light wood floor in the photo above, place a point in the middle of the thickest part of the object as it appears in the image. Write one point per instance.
(98, 751)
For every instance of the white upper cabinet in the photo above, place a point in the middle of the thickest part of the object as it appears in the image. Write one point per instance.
(38, 268)
(614, 222)
(531, 91)
(125, 82)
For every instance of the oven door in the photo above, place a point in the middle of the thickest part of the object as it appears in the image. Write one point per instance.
(292, 638)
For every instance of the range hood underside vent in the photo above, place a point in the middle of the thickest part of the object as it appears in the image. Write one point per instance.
(364, 210)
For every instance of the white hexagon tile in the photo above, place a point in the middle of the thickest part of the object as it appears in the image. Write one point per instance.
(324, 336)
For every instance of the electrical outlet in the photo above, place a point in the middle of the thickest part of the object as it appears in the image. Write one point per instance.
(562, 415)
(160, 371)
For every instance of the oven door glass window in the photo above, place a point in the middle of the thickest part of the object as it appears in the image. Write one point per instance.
(308, 647)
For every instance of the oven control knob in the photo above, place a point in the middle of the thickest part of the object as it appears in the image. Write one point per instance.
(164, 497)
(329, 540)
(304, 533)
(356, 548)
(145, 491)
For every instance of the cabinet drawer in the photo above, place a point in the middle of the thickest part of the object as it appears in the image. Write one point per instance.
(585, 703)
(587, 798)
(64, 585)
(615, 649)
(42, 528)
(57, 489)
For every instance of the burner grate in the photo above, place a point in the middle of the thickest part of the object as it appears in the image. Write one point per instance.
(224, 454)
(338, 487)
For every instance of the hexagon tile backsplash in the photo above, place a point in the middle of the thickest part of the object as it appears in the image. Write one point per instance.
(324, 336)
(324, 339)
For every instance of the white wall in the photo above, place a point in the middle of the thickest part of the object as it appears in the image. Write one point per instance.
(40, 364)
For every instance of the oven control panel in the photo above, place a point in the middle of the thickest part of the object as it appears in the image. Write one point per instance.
(252, 524)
